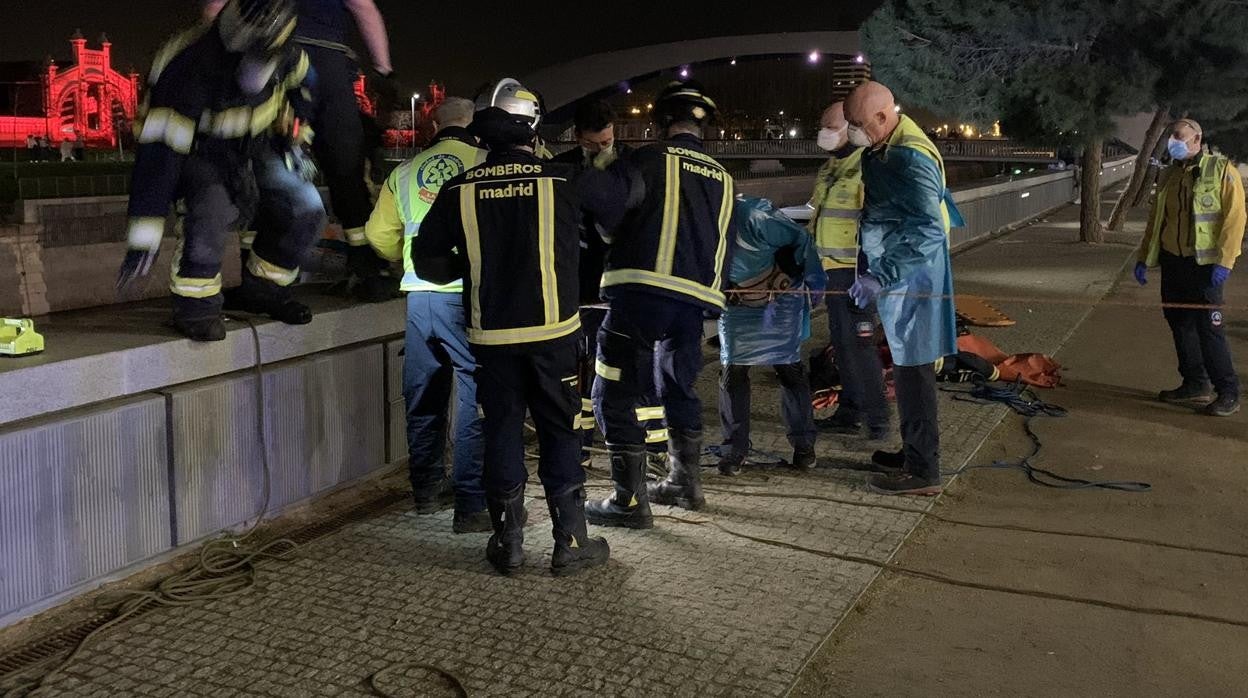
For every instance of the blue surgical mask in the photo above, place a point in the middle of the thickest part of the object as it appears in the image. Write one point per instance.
(1178, 149)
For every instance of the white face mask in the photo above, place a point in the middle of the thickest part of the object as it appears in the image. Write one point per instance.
(859, 138)
(830, 139)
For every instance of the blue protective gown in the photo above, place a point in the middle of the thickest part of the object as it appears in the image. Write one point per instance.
(905, 238)
(771, 335)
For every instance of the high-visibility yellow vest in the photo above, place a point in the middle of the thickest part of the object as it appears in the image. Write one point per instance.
(838, 202)
(1206, 209)
(416, 184)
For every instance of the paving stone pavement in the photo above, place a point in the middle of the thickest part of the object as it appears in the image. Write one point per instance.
(680, 610)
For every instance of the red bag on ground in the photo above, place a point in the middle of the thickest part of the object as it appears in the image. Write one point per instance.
(1033, 369)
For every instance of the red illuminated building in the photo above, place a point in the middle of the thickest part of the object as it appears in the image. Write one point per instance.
(86, 97)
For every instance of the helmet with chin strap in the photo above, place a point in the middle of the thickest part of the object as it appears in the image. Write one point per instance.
(251, 26)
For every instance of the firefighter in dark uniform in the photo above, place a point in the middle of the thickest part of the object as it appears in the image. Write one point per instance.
(669, 247)
(509, 229)
(340, 150)
(226, 109)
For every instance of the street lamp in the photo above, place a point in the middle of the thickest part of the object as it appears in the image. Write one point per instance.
(415, 96)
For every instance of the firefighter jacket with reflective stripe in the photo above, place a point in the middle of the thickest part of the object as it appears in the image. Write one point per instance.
(409, 192)
(508, 228)
(837, 202)
(1212, 230)
(675, 240)
(194, 103)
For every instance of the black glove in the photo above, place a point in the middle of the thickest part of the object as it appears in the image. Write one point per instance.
(387, 89)
(302, 164)
(137, 264)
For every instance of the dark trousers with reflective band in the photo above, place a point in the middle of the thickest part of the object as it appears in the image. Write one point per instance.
(656, 430)
(544, 383)
(795, 406)
(288, 215)
(436, 357)
(852, 330)
(339, 137)
(626, 365)
(920, 425)
(1199, 335)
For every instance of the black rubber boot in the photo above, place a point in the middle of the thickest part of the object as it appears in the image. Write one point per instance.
(805, 459)
(260, 297)
(683, 486)
(198, 319)
(629, 507)
(574, 549)
(505, 549)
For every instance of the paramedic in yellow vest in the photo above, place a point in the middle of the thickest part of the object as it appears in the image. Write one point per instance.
(837, 204)
(436, 347)
(1195, 233)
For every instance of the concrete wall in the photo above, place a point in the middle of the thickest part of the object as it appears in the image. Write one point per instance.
(95, 491)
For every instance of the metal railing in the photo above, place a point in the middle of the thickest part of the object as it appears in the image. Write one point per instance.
(953, 149)
(73, 186)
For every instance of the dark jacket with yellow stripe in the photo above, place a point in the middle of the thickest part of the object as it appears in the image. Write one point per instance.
(509, 229)
(675, 237)
(194, 104)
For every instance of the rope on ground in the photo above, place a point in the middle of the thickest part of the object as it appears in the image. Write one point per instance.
(1025, 402)
(376, 680)
(981, 524)
(952, 581)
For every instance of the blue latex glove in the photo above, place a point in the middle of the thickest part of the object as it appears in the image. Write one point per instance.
(1220, 274)
(865, 290)
(1141, 273)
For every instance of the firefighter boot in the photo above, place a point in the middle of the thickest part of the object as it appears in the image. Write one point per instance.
(683, 486)
(629, 507)
(505, 549)
(261, 297)
(574, 549)
(199, 318)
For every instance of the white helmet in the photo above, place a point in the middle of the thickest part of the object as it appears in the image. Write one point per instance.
(512, 97)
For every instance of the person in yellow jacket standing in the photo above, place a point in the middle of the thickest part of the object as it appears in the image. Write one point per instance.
(436, 346)
(1195, 233)
(837, 203)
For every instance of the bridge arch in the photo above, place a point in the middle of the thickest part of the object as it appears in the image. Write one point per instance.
(563, 84)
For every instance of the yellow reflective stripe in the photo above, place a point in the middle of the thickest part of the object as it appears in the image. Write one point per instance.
(144, 233)
(656, 436)
(693, 289)
(608, 372)
(587, 404)
(355, 236)
(246, 238)
(666, 256)
(231, 123)
(264, 115)
(940, 364)
(187, 286)
(267, 270)
(524, 335)
(472, 241)
(164, 125)
(170, 50)
(1207, 217)
(645, 414)
(546, 249)
(725, 216)
(585, 423)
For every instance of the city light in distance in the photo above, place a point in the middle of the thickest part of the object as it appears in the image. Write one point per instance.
(813, 57)
(792, 133)
(732, 62)
(684, 72)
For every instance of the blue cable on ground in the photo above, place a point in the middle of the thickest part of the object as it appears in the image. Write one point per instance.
(1024, 401)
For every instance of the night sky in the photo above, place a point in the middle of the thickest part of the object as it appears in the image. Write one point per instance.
(461, 44)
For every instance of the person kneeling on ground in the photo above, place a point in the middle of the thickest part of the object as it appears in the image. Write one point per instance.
(767, 318)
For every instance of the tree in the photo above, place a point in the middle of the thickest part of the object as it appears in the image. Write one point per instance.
(1202, 58)
(1050, 69)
